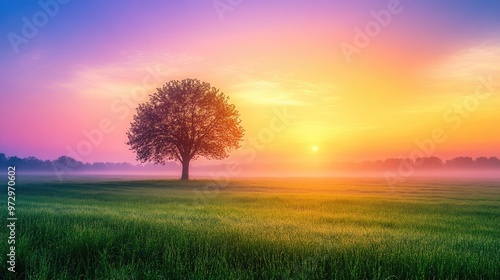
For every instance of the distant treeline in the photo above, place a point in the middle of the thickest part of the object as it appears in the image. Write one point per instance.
(65, 163)
(424, 163)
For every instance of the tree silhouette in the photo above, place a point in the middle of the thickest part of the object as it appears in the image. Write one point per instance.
(183, 121)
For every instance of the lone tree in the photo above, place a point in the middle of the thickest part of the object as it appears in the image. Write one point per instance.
(182, 121)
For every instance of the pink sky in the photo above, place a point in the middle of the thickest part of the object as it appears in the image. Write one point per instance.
(94, 62)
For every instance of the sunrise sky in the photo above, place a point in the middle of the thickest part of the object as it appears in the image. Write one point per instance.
(424, 66)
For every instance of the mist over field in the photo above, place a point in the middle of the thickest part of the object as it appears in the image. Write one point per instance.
(391, 169)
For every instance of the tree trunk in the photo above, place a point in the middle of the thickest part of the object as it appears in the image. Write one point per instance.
(185, 170)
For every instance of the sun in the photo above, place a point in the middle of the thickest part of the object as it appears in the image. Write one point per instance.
(315, 148)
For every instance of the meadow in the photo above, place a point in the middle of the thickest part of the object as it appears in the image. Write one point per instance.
(131, 228)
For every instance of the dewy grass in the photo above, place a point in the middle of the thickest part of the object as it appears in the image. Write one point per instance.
(257, 229)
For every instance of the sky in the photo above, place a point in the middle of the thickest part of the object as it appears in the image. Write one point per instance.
(314, 81)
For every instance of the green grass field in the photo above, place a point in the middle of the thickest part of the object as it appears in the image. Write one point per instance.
(255, 229)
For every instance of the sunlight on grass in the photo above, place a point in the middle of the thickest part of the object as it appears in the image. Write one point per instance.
(272, 229)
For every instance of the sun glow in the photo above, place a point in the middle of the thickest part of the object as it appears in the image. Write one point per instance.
(315, 148)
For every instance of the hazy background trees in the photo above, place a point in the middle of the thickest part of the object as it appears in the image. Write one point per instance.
(64, 162)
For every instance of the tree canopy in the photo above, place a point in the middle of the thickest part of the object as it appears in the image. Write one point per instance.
(182, 121)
